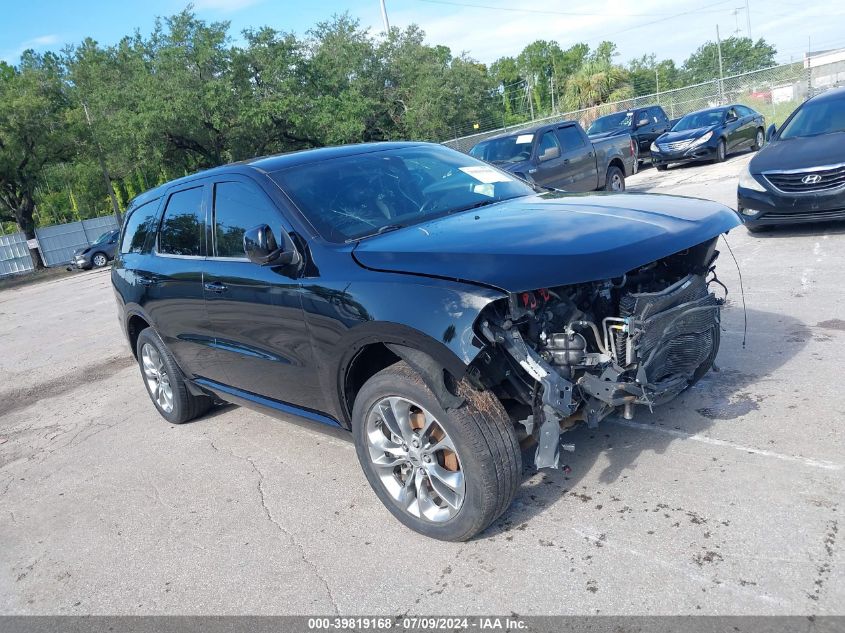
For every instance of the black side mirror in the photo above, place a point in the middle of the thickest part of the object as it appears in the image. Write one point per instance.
(731, 118)
(770, 133)
(261, 247)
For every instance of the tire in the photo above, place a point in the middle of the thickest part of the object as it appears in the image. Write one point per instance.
(660, 167)
(759, 139)
(615, 180)
(751, 228)
(486, 453)
(183, 405)
(99, 260)
(721, 151)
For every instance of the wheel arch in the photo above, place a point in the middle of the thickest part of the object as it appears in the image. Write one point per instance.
(382, 345)
(135, 324)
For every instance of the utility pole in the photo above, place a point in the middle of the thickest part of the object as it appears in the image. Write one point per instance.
(530, 97)
(552, 90)
(106, 177)
(748, 19)
(657, 83)
(384, 18)
(721, 76)
(736, 11)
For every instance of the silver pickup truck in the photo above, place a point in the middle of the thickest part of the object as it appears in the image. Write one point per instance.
(561, 156)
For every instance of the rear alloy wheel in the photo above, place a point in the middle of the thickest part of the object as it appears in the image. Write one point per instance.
(99, 260)
(444, 474)
(164, 381)
(615, 180)
(759, 139)
(720, 151)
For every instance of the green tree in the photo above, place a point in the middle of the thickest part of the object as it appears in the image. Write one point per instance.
(599, 80)
(739, 55)
(33, 133)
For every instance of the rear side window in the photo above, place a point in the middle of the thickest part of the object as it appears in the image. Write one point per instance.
(658, 115)
(140, 224)
(239, 206)
(183, 225)
(570, 138)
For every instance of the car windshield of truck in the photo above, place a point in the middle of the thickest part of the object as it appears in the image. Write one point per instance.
(361, 195)
(821, 117)
(698, 119)
(509, 149)
(611, 122)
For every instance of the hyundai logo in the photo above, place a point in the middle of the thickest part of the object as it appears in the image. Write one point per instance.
(812, 179)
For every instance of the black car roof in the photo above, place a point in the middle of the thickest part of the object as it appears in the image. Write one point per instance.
(834, 94)
(529, 130)
(277, 162)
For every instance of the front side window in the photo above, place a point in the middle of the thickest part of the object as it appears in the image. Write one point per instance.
(140, 223)
(354, 196)
(240, 206)
(548, 147)
(183, 225)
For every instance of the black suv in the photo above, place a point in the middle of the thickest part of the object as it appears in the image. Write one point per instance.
(441, 310)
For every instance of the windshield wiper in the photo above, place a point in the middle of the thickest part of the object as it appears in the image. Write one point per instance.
(387, 228)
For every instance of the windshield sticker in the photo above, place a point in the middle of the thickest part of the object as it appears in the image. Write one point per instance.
(486, 175)
(524, 138)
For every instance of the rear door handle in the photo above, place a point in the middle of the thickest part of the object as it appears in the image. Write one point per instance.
(215, 286)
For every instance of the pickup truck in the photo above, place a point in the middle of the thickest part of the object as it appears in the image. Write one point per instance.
(642, 124)
(561, 156)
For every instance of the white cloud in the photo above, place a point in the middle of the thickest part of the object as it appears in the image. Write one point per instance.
(37, 43)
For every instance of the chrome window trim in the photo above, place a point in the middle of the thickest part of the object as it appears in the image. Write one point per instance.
(805, 170)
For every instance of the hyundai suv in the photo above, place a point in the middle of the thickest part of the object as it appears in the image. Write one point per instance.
(444, 312)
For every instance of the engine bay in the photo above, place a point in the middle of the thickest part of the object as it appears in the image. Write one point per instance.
(575, 354)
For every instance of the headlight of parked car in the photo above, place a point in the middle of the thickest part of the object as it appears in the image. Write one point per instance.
(747, 181)
(654, 147)
(702, 140)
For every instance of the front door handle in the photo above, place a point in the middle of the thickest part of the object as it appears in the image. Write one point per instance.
(146, 281)
(215, 286)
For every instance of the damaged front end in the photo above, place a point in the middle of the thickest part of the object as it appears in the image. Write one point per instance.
(560, 356)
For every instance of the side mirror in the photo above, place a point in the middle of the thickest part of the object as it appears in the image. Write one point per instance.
(550, 153)
(731, 118)
(261, 247)
(643, 122)
(770, 133)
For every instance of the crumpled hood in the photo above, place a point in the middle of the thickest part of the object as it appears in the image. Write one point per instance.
(671, 137)
(538, 242)
(800, 153)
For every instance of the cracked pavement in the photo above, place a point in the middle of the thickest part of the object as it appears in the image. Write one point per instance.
(726, 501)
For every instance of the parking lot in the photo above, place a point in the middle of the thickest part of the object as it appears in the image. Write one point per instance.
(726, 501)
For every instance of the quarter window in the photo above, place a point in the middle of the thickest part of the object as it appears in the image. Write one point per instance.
(240, 206)
(140, 223)
(183, 225)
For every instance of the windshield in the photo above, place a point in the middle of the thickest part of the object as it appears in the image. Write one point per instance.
(356, 196)
(611, 122)
(510, 149)
(104, 237)
(699, 119)
(814, 118)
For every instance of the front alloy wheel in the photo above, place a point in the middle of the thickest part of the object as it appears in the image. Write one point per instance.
(416, 459)
(99, 260)
(445, 473)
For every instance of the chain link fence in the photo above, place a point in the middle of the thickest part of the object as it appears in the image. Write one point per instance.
(774, 92)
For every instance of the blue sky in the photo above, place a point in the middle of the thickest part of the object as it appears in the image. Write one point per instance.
(486, 33)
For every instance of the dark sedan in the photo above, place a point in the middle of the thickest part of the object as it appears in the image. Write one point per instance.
(709, 134)
(98, 254)
(800, 175)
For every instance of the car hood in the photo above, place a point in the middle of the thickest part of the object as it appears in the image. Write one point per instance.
(80, 251)
(546, 241)
(671, 137)
(800, 153)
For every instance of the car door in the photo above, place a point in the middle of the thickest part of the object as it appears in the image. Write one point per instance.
(733, 129)
(171, 278)
(578, 158)
(749, 127)
(261, 340)
(550, 168)
(659, 125)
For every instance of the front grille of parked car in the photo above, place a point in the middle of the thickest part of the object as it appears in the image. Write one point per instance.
(819, 179)
(674, 146)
